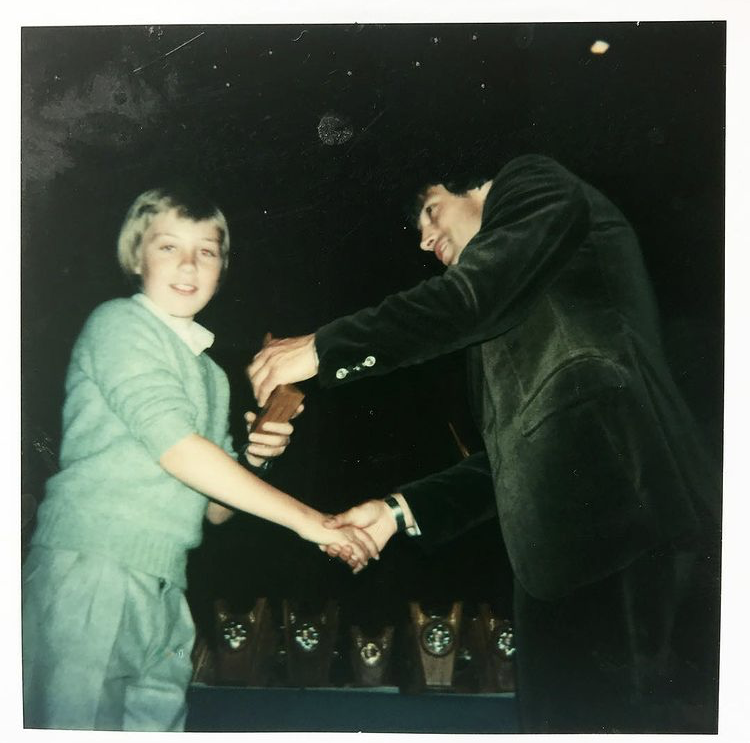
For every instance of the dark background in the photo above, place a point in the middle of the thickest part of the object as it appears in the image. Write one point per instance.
(312, 139)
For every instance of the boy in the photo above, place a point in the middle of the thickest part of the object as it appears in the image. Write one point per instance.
(107, 632)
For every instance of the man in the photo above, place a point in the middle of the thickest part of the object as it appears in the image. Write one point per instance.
(607, 501)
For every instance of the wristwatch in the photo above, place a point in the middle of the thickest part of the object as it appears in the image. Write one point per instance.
(398, 513)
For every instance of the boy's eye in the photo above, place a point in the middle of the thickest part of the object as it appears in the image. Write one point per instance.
(208, 252)
(166, 248)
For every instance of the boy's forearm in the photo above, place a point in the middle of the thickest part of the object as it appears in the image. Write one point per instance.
(208, 469)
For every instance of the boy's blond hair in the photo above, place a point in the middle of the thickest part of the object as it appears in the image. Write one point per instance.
(157, 201)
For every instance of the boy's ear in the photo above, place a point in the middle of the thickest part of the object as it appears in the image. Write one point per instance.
(138, 269)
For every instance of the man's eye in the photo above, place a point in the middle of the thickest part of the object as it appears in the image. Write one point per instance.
(208, 252)
(167, 248)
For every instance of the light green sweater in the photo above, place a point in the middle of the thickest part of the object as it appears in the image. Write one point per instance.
(134, 388)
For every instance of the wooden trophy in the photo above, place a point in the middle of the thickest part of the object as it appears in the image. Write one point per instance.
(245, 645)
(371, 656)
(490, 642)
(435, 639)
(310, 640)
(502, 651)
(282, 403)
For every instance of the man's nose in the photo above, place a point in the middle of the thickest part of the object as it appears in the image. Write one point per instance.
(429, 238)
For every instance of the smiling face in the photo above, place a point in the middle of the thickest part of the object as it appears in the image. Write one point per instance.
(448, 221)
(180, 263)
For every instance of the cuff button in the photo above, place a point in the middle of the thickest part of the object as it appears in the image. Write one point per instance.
(341, 373)
(369, 361)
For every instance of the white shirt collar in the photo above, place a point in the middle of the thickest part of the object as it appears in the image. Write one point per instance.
(197, 338)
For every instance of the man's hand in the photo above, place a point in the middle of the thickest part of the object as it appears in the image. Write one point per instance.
(357, 543)
(282, 361)
(271, 441)
(374, 517)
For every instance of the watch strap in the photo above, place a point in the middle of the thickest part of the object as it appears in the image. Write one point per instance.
(398, 513)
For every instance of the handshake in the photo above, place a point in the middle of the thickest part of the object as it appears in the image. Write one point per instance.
(365, 530)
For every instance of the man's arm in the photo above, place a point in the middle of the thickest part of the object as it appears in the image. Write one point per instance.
(535, 217)
(449, 503)
(441, 507)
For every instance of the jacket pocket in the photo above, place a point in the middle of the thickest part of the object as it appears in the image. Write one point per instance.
(573, 383)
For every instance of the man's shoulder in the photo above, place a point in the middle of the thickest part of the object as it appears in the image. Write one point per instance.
(534, 174)
(530, 162)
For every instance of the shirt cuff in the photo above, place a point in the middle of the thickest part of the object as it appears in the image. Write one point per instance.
(414, 530)
(315, 353)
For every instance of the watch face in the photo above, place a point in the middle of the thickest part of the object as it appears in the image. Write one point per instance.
(438, 637)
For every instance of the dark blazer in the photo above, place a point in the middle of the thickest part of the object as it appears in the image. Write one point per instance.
(591, 455)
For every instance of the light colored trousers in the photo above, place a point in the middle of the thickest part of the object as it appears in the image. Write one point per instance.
(104, 647)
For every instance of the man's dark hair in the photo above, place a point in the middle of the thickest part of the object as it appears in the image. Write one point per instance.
(439, 159)
(457, 184)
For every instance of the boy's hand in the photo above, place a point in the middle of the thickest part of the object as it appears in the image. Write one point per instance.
(268, 442)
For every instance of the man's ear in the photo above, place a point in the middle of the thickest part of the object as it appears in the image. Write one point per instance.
(479, 193)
